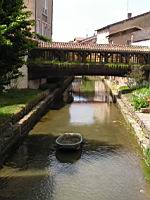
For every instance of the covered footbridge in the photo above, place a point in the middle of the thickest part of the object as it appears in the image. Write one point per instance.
(63, 59)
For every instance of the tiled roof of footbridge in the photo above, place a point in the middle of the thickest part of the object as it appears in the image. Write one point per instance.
(94, 47)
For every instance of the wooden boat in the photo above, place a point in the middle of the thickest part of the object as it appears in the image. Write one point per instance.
(69, 141)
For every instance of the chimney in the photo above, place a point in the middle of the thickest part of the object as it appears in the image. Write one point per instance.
(129, 15)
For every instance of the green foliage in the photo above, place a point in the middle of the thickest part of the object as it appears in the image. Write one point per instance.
(146, 164)
(87, 86)
(147, 156)
(42, 37)
(139, 98)
(14, 100)
(136, 76)
(116, 65)
(52, 62)
(122, 65)
(139, 102)
(125, 87)
(85, 78)
(15, 31)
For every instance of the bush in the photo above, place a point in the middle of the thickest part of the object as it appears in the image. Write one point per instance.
(125, 87)
(136, 76)
(139, 98)
(139, 103)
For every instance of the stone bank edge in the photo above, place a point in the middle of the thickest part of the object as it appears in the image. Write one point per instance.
(23, 123)
(142, 133)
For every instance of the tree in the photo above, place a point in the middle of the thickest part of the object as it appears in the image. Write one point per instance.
(136, 76)
(15, 31)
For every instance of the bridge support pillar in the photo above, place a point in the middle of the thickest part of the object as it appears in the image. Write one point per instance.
(62, 99)
(22, 81)
(67, 96)
(34, 84)
(58, 102)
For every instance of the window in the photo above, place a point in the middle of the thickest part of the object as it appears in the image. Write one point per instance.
(44, 28)
(38, 24)
(45, 8)
(45, 4)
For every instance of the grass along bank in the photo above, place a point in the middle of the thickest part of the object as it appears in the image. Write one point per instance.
(139, 98)
(14, 100)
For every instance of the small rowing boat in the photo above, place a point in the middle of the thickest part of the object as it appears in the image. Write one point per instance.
(69, 141)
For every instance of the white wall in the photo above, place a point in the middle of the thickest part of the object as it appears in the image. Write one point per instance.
(102, 38)
(22, 82)
(142, 43)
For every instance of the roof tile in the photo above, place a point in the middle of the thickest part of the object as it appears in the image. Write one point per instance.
(93, 47)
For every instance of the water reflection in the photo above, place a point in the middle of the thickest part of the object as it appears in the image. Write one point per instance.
(90, 91)
(86, 114)
(89, 113)
(108, 168)
(87, 92)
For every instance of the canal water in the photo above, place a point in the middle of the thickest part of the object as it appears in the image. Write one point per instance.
(108, 167)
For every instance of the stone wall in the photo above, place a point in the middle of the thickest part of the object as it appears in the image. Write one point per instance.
(134, 120)
(20, 124)
(141, 131)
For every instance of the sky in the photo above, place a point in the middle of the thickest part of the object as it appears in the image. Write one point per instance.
(80, 18)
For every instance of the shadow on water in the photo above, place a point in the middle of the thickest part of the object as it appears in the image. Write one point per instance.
(68, 156)
(107, 167)
(37, 151)
(26, 187)
(33, 153)
(30, 166)
(96, 145)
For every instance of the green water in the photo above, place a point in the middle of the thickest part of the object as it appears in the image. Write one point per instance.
(109, 166)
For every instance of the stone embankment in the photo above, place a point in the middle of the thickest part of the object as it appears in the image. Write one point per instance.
(21, 123)
(139, 122)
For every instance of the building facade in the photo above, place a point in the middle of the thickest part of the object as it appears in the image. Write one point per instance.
(42, 13)
(89, 40)
(122, 32)
(125, 32)
(142, 38)
(131, 31)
